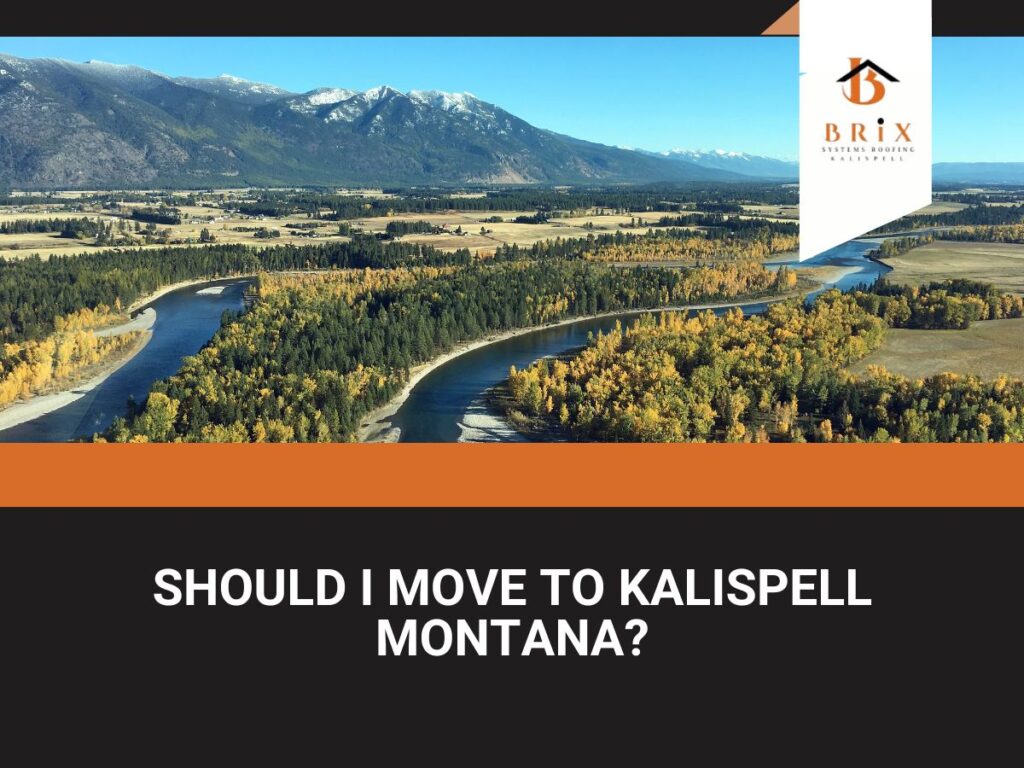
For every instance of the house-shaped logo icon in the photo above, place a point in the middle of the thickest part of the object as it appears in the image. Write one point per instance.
(864, 72)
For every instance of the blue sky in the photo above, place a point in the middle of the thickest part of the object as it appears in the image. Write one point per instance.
(977, 110)
(653, 93)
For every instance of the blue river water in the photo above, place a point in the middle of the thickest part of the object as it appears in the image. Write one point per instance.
(185, 321)
(437, 406)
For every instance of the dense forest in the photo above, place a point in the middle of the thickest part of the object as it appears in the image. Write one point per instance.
(978, 198)
(71, 228)
(24, 226)
(1002, 234)
(978, 214)
(160, 215)
(320, 350)
(540, 217)
(730, 223)
(400, 228)
(8, 199)
(34, 292)
(683, 244)
(665, 198)
(776, 377)
(697, 247)
(949, 304)
(717, 206)
(897, 246)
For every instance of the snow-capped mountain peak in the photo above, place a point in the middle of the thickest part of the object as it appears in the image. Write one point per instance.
(343, 105)
(322, 96)
(237, 87)
(738, 162)
(373, 95)
(126, 76)
(479, 114)
(704, 153)
(339, 104)
(449, 102)
(249, 85)
(241, 85)
(106, 66)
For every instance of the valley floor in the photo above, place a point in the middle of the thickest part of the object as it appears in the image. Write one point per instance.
(987, 349)
(1001, 264)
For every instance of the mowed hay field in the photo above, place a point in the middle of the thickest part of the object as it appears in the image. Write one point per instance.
(988, 349)
(940, 206)
(1001, 264)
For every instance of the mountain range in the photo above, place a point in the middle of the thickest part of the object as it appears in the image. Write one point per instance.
(978, 173)
(735, 162)
(66, 125)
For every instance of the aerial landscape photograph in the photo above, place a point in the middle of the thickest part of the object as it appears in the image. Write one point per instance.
(487, 240)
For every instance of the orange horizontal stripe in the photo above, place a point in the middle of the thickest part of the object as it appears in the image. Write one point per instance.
(583, 475)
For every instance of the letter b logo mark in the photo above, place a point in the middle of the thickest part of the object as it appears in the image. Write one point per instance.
(856, 82)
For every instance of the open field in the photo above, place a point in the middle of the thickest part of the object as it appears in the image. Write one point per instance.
(786, 212)
(226, 229)
(987, 349)
(195, 218)
(940, 206)
(1001, 264)
(213, 214)
(505, 231)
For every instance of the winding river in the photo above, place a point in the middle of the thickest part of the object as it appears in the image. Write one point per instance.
(447, 405)
(185, 320)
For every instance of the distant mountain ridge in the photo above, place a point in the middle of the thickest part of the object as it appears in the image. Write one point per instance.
(234, 87)
(978, 173)
(742, 163)
(67, 124)
(769, 168)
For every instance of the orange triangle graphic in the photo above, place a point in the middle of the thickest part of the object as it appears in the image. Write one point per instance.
(787, 24)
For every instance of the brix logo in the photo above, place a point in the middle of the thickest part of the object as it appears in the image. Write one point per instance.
(864, 85)
(861, 73)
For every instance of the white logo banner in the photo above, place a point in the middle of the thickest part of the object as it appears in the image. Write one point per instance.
(865, 117)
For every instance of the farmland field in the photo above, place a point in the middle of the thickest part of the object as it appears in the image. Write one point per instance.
(987, 349)
(941, 206)
(506, 231)
(225, 228)
(1001, 264)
